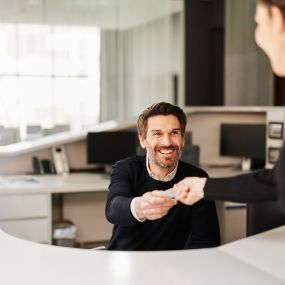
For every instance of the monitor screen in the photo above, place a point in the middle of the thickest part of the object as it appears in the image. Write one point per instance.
(109, 147)
(243, 140)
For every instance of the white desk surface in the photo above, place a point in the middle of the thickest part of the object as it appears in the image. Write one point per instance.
(242, 262)
(265, 251)
(77, 182)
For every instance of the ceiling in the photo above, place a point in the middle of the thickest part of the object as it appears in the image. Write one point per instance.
(107, 14)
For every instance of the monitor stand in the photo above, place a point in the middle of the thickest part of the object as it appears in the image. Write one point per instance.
(246, 164)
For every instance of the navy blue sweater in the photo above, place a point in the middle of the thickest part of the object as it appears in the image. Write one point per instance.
(183, 227)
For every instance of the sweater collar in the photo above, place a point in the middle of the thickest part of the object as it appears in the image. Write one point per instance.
(167, 178)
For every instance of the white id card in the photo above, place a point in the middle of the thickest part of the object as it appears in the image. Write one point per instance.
(169, 193)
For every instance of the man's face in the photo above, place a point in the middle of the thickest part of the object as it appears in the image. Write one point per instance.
(163, 141)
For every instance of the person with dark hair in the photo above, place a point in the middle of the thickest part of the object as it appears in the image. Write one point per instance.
(145, 217)
(265, 185)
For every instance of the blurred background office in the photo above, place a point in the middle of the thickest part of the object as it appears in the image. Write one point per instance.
(68, 64)
(69, 67)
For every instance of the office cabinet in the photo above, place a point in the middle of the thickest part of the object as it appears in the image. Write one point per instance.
(26, 216)
(29, 229)
(26, 209)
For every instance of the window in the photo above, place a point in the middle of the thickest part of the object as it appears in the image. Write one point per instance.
(49, 77)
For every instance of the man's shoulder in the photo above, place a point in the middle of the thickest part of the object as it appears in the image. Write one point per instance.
(192, 170)
(132, 161)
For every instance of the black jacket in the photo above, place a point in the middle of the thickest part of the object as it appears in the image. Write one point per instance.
(260, 186)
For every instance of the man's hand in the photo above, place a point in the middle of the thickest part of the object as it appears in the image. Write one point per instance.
(189, 190)
(153, 205)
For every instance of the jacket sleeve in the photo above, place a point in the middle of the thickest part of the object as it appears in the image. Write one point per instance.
(279, 173)
(119, 196)
(260, 186)
(205, 225)
(254, 187)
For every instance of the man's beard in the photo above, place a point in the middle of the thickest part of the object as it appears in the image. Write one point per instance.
(166, 165)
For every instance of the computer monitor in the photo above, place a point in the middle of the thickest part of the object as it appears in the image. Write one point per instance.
(244, 140)
(109, 147)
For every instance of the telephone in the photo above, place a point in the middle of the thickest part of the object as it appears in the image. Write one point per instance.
(60, 160)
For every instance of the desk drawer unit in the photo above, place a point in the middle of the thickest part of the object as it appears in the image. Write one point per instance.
(26, 216)
(36, 230)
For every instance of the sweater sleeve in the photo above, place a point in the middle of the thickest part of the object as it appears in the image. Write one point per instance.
(118, 206)
(258, 186)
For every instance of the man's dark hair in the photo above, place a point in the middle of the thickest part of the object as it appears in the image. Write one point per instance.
(161, 108)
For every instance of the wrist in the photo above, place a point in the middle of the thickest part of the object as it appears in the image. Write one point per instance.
(138, 209)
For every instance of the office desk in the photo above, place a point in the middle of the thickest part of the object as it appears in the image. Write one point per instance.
(24, 262)
(232, 216)
(26, 206)
(26, 201)
(265, 251)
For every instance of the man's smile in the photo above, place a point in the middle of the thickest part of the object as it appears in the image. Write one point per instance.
(167, 151)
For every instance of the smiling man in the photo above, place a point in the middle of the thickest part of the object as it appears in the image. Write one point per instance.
(144, 214)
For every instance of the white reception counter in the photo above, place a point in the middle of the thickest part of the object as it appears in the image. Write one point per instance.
(256, 260)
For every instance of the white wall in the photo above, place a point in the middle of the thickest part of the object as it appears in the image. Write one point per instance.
(205, 128)
(137, 67)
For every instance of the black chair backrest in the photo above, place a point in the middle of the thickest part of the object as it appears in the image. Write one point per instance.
(264, 216)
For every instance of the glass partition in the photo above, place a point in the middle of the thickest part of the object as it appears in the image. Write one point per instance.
(66, 65)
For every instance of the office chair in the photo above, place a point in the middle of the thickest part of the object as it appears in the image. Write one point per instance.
(9, 136)
(191, 154)
(263, 216)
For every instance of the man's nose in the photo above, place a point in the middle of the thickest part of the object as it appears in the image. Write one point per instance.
(166, 140)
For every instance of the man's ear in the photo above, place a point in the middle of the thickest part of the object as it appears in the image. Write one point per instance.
(278, 22)
(142, 141)
(183, 141)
